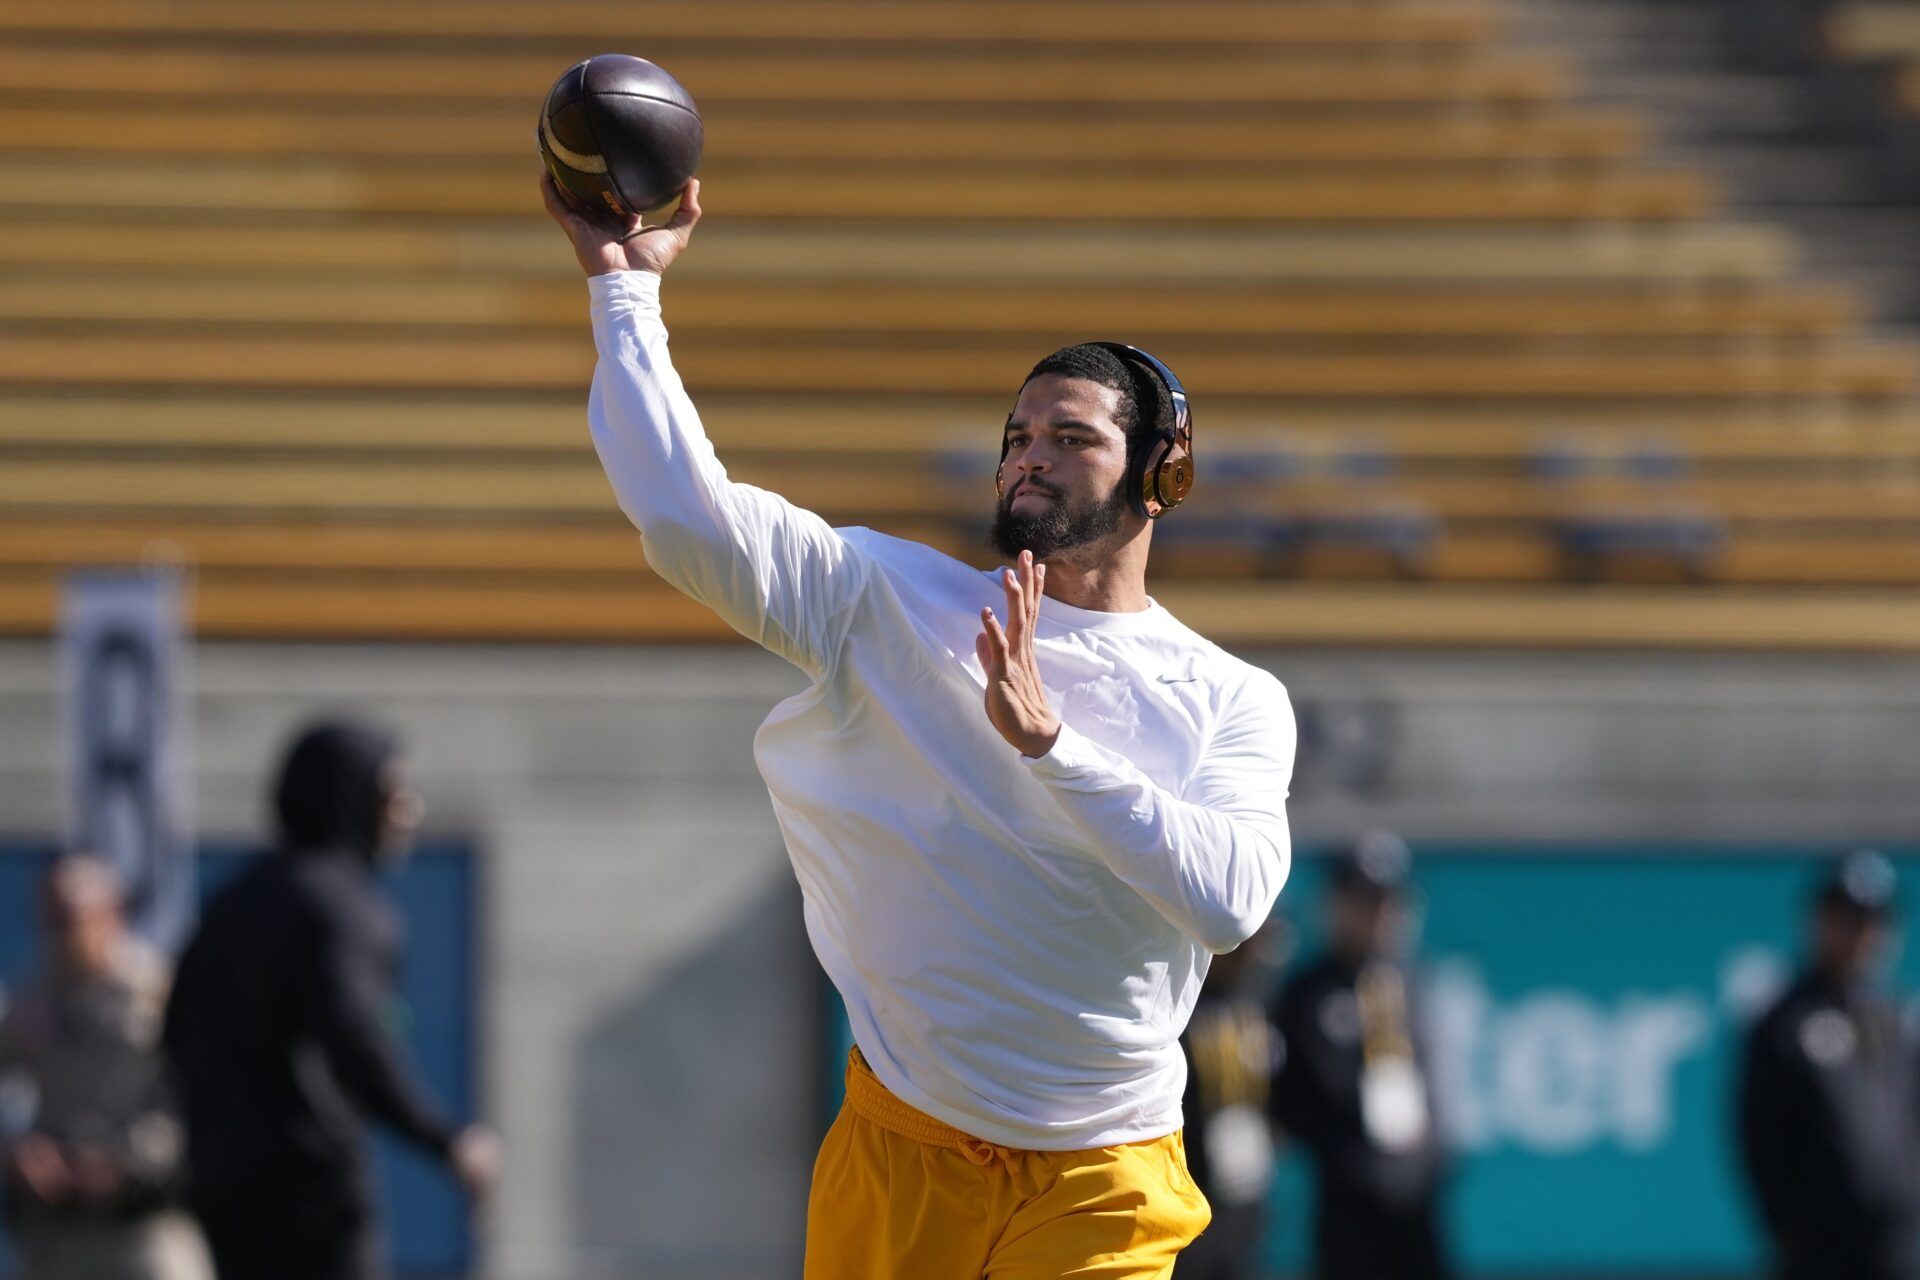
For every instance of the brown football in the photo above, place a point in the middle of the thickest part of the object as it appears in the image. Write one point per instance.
(619, 135)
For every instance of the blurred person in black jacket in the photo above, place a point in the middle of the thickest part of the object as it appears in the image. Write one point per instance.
(1829, 1098)
(281, 1027)
(1354, 1088)
(1233, 1053)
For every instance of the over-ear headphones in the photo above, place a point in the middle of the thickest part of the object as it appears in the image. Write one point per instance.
(1162, 473)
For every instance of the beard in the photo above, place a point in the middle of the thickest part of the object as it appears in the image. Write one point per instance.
(1059, 526)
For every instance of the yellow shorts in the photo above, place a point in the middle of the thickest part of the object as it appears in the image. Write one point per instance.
(897, 1195)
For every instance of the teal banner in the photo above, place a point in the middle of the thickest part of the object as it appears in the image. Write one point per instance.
(1586, 1005)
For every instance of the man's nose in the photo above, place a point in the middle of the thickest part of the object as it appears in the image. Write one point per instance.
(1034, 458)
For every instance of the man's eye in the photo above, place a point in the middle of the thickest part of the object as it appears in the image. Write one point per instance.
(1016, 442)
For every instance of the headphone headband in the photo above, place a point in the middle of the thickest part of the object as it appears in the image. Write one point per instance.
(1165, 475)
(1176, 393)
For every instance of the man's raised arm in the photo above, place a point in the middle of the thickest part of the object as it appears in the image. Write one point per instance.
(778, 575)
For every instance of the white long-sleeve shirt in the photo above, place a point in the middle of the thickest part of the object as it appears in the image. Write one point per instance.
(1019, 942)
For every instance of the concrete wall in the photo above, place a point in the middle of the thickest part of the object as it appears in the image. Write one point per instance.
(651, 1053)
(1533, 745)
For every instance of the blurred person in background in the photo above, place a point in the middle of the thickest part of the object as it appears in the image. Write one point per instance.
(1354, 1088)
(1829, 1097)
(1233, 1053)
(283, 1028)
(92, 1185)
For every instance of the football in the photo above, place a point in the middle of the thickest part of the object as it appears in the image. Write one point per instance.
(620, 136)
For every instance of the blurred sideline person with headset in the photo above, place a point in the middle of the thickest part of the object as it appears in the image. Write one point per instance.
(1829, 1094)
(1234, 1056)
(1355, 1089)
(1025, 806)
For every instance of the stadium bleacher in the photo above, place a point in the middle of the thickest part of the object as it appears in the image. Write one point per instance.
(1469, 367)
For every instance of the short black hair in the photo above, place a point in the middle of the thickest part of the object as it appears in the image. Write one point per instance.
(1137, 385)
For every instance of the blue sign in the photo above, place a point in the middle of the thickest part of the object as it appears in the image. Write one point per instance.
(437, 892)
(122, 655)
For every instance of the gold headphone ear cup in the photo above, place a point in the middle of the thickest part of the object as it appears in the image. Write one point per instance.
(1173, 480)
(1176, 481)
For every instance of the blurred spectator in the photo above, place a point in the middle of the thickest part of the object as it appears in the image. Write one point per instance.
(1354, 1089)
(1233, 1053)
(283, 1024)
(92, 1185)
(1829, 1098)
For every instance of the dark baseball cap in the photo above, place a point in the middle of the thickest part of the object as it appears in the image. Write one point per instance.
(1377, 863)
(1863, 880)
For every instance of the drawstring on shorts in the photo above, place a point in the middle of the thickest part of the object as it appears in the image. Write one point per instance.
(871, 1099)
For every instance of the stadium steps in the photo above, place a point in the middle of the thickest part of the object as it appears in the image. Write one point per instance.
(339, 367)
(1146, 22)
(100, 357)
(1665, 257)
(920, 431)
(1077, 194)
(567, 489)
(1034, 76)
(294, 299)
(1764, 136)
(498, 130)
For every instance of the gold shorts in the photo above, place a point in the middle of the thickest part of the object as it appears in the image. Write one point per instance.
(898, 1195)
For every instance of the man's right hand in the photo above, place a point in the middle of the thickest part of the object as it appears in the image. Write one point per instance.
(603, 248)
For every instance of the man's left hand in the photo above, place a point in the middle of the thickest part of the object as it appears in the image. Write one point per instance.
(1016, 700)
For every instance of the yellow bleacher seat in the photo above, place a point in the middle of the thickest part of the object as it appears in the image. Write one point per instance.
(339, 366)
